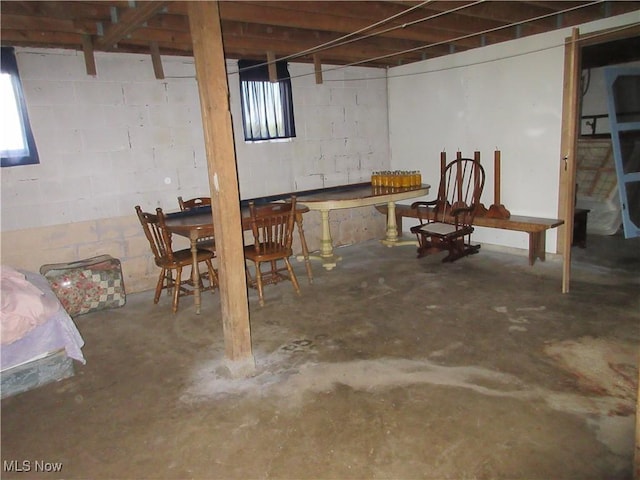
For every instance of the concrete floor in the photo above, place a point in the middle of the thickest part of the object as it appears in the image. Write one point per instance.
(386, 367)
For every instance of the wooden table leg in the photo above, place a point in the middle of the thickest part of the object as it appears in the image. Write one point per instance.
(195, 273)
(305, 249)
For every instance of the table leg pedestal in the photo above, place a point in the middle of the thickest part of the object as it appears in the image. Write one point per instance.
(392, 239)
(326, 256)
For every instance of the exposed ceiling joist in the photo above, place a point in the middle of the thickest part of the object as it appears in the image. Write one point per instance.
(368, 33)
(129, 20)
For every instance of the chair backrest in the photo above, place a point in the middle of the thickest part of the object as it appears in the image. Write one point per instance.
(272, 226)
(156, 232)
(193, 202)
(460, 188)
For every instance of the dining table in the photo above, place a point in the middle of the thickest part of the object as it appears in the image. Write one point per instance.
(196, 224)
(352, 196)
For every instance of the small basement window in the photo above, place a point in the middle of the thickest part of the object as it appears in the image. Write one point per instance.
(267, 107)
(17, 145)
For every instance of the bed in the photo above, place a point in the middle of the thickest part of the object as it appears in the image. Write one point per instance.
(39, 339)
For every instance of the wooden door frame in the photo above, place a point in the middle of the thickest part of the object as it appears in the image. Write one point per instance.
(570, 132)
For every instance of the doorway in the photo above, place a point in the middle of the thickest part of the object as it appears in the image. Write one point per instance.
(593, 176)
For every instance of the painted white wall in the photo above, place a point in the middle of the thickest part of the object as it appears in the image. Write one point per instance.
(506, 97)
(124, 138)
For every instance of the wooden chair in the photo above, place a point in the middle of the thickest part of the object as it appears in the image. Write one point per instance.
(193, 202)
(272, 227)
(447, 221)
(169, 260)
(205, 243)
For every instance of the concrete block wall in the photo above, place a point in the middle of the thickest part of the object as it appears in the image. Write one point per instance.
(341, 128)
(124, 138)
(120, 237)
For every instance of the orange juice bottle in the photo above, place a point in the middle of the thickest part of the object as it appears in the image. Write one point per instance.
(406, 179)
(386, 179)
(396, 179)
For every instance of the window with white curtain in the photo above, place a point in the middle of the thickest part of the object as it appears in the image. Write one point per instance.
(267, 107)
(17, 145)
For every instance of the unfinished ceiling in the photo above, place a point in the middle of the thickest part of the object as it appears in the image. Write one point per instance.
(367, 33)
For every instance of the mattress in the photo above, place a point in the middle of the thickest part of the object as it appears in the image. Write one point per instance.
(58, 332)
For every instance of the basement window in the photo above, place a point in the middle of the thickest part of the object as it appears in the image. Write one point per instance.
(267, 107)
(17, 145)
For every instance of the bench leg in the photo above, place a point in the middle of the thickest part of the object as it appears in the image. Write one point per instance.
(537, 246)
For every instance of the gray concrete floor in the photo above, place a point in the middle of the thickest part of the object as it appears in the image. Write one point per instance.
(386, 367)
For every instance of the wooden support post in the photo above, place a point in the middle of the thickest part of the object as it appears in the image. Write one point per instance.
(481, 210)
(317, 65)
(443, 162)
(459, 201)
(636, 454)
(271, 66)
(497, 210)
(89, 58)
(206, 35)
(156, 60)
(496, 172)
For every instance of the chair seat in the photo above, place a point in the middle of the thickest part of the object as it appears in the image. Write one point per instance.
(184, 258)
(266, 254)
(441, 229)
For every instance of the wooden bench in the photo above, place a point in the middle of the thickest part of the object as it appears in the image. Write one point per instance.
(536, 227)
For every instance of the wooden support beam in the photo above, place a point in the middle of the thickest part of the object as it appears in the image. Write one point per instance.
(481, 210)
(156, 60)
(128, 21)
(89, 58)
(273, 71)
(497, 209)
(317, 65)
(636, 450)
(569, 145)
(204, 21)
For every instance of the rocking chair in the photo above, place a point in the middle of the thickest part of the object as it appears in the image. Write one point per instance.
(447, 222)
